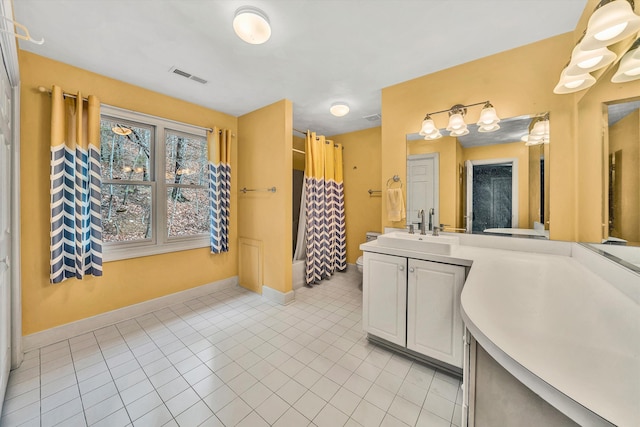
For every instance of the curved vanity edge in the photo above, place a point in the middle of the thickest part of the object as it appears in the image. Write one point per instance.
(623, 279)
(556, 398)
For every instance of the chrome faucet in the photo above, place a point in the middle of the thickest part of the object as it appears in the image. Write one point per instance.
(432, 212)
(422, 222)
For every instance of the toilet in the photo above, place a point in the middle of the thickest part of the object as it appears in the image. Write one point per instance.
(371, 235)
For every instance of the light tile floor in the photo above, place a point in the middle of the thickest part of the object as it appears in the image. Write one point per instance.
(232, 358)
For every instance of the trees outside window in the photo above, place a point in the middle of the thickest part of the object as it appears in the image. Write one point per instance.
(154, 185)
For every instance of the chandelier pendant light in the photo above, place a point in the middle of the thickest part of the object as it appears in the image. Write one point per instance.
(456, 126)
(612, 21)
(252, 25)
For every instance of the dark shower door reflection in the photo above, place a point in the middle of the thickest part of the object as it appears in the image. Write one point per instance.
(492, 197)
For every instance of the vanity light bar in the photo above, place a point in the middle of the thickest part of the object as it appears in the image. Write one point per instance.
(488, 121)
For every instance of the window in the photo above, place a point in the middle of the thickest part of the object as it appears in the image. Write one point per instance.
(154, 185)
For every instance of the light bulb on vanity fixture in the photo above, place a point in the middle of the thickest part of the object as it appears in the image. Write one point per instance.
(585, 61)
(252, 25)
(538, 131)
(488, 119)
(456, 126)
(629, 67)
(575, 83)
(612, 21)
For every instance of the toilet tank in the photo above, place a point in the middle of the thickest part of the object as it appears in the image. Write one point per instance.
(372, 235)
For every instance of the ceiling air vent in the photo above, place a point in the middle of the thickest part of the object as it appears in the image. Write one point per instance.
(179, 72)
(372, 117)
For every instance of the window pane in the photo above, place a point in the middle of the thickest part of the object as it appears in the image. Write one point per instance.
(125, 150)
(126, 212)
(187, 211)
(186, 159)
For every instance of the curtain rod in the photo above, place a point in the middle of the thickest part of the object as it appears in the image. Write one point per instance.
(43, 89)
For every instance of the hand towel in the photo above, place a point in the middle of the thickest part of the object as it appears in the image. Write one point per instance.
(395, 205)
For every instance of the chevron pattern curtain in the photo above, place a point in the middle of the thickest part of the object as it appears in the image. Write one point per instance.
(324, 207)
(76, 224)
(219, 151)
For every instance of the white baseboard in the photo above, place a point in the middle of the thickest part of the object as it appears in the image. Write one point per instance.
(276, 296)
(69, 330)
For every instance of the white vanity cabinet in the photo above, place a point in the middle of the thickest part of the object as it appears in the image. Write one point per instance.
(384, 297)
(414, 304)
(434, 324)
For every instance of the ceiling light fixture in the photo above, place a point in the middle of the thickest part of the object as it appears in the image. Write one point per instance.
(339, 109)
(488, 121)
(612, 21)
(252, 25)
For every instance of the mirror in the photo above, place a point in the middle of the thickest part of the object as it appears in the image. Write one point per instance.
(622, 183)
(485, 182)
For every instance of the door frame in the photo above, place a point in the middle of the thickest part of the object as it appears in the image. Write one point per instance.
(469, 165)
(10, 53)
(436, 183)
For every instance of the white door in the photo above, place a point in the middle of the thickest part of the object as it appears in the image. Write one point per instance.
(434, 324)
(384, 297)
(5, 228)
(422, 186)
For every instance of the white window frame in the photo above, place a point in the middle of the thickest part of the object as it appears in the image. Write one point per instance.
(159, 243)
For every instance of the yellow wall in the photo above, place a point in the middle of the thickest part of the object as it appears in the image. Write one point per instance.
(264, 145)
(517, 85)
(514, 150)
(623, 142)
(124, 282)
(361, 160)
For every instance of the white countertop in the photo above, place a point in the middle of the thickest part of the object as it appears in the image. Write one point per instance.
(561, 329)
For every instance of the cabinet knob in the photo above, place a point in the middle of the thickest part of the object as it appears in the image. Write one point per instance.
(401, 267)
(411, 270)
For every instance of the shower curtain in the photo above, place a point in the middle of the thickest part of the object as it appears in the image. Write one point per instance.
(324, 209)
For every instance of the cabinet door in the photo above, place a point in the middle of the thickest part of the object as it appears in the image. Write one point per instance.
(384, 297)
(434, 325)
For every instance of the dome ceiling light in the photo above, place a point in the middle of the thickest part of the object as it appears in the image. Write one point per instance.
(252, 25)
(339, 109)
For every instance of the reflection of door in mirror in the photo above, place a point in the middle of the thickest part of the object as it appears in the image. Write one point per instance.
(423, 185)
(624, 174)
(492, 194)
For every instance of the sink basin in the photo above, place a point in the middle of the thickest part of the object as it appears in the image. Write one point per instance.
(440, 245)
